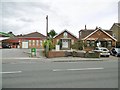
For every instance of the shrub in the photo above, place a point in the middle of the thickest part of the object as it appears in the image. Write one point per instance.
(60, 43)
(117, 44)
(79, 45)
(49, 43)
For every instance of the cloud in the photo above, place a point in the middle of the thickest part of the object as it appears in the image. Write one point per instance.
(24, 16)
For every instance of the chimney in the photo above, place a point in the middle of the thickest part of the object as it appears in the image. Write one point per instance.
(96, 28)
(85, 27)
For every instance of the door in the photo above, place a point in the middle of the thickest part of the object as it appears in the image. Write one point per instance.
(64, 43)
(24, 44)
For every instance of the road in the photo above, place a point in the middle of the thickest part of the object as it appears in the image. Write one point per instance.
(96, 74)
(25, 73)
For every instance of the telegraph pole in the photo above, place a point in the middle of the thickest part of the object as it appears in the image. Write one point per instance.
(47, 45)
(47, 26)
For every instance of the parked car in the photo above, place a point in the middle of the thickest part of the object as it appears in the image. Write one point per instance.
(5, 45)
(115, 52)
(103, 51)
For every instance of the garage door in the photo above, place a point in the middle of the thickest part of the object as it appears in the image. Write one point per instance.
(24, 44)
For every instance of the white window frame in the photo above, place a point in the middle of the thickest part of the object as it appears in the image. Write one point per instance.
(33, 42)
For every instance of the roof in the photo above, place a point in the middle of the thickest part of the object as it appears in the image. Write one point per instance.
(102, 31)
(33, 34)
(86, 32)
(3, 34)
(63, 32)
(115, 24)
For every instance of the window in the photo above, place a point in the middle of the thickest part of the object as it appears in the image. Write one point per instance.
(109, 43)
(114, 35)
(33, 42)
(93, 43)
(72, 41)
(40, 42)
(88, 43)
(29, 42)
(37, 42)
(65, 35)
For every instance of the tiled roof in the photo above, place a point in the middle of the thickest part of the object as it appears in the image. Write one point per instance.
(65, 31)
(102, 31)
(86, 32)
(34, 34)
(117, 24)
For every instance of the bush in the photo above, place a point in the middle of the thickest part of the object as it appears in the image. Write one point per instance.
(117, 44)
(60, 43)
(78, 45)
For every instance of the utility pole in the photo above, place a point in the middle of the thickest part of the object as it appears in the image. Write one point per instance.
(47, 26)
(47, 45)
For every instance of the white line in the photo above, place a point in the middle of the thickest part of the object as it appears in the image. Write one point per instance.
(79, 69)
(11, 72)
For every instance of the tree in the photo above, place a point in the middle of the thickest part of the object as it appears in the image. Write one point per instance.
(11, 34)
(49, 43)
(52, 33)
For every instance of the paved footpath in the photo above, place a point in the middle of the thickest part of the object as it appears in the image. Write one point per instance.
(60, 59)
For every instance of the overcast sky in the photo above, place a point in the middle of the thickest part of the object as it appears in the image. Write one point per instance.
(26, 16)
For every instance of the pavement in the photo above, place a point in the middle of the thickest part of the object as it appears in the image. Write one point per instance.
(9, 55)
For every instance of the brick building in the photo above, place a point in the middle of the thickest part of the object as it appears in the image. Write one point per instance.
(31, 40)
(116, 31)
(98, 36)
(66, 38)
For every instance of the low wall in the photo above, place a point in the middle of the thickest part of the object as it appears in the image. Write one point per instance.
(83, 54)
(52, 54)
(79, 54)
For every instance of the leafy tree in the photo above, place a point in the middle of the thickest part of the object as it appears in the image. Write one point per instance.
(11, 34)
(52, 33)
(49, 43)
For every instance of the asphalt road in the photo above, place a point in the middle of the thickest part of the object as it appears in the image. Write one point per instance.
(39, 74)
(20, 72)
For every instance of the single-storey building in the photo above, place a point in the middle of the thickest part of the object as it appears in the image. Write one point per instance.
(66, 38)
(97, 37)
(31, 40)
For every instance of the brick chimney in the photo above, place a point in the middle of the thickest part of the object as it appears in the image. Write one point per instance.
(96, 28)
(85, 27)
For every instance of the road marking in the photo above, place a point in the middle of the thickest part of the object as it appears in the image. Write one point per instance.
(79, 69)
(11, 72)
(22, 62)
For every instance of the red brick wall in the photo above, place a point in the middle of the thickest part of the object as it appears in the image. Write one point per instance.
(52, 54)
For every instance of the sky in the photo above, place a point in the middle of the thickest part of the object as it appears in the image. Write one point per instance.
(26, 16)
